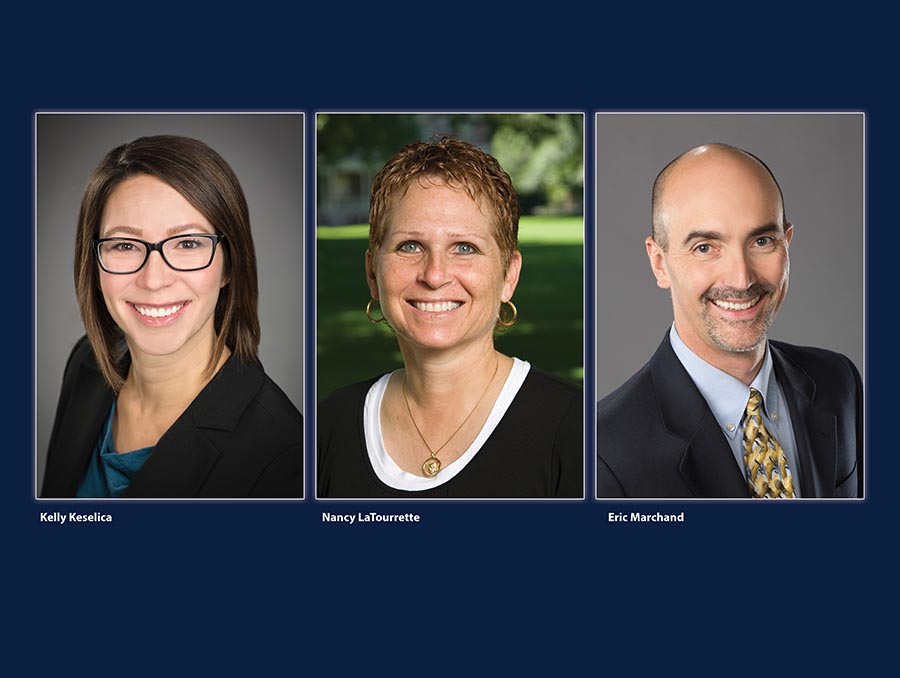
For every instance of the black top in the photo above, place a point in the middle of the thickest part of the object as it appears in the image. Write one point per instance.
(535, 451)
(240, 437)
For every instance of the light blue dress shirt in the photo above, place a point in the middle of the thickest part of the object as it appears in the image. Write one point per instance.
(727, 399)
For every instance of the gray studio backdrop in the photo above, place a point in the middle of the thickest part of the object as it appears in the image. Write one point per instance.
(266, 152)
(817, 158)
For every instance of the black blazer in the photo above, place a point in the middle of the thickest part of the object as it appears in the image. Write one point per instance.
(240, 437)
(657, 437)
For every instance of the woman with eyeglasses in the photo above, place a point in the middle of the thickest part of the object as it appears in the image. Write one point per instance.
(165, 395)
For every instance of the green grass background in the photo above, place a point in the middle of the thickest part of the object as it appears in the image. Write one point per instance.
(549, 332)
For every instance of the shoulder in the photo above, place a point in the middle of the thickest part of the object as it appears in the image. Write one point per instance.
(255, 429)
(268, 407)
(829, 369)
(547, 408)
(551, 387)
(81, 354)
(344, 399)
(635, 396)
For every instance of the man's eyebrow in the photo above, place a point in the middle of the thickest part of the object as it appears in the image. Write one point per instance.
(701, 235)
(764, 230)
(716, 235)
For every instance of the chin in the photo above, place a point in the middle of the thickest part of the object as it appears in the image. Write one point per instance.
(737, 342)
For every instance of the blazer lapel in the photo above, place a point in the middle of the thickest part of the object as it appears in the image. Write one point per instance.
(815, 429)
(184, 457)
(79, 431)
(707, 463)
(179, 464)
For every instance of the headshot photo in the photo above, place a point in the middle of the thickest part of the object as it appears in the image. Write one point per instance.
(168, 305)
(730, 305)
(450, 333)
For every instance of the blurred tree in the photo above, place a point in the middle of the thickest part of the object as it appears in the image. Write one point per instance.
(544, 155)
(371, 137)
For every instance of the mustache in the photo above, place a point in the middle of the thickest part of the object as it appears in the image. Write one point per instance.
(735, 294)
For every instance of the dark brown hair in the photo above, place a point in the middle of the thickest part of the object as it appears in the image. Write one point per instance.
(459, 164)
(209, 184)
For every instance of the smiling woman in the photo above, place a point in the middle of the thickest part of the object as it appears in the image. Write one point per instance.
(165, 396)
(461, 420)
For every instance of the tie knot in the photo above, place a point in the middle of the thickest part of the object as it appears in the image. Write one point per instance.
(754, 401)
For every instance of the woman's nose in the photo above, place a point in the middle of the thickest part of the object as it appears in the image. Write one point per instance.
(435, 270)
(155, 273)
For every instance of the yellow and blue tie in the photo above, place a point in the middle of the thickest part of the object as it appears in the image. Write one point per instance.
(768, 475)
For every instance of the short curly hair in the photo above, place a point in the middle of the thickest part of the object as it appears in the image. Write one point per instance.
(458, 164)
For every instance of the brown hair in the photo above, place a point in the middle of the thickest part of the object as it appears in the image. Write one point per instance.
(209, 184)
(459, 164)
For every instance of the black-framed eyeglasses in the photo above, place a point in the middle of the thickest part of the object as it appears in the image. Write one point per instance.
(187, 252)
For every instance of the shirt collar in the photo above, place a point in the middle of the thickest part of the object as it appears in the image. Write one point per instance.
(726, 396)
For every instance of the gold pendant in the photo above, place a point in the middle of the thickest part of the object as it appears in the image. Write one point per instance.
(431, 467)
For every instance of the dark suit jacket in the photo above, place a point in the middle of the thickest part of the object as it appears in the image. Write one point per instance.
(240, 437)
(656, 436)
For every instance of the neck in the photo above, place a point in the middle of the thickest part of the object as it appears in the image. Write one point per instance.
(161, 382)
(742, 365)
(438, 375)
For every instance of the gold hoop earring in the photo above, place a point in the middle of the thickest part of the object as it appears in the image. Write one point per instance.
(369, 313)
(509, 322)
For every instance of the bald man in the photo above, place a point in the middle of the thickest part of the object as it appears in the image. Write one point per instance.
(720, 410)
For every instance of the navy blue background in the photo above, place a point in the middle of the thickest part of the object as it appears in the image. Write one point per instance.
(487, 587)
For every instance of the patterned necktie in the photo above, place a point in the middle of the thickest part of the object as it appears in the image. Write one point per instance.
(768, 474)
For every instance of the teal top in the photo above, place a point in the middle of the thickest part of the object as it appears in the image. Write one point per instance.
(109, 474)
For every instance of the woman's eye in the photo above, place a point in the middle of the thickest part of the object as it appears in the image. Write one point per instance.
(465, 248)
(409, 247)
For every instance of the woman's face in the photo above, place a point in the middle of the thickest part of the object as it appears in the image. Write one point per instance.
(161, 311)
(439, 273)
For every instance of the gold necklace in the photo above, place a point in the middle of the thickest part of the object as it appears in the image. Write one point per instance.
(432, 466)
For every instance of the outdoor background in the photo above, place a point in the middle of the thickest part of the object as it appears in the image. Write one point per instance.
(544, 156)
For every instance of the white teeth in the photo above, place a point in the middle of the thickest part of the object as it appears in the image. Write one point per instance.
(440, 307)
(730, 306)
(156, 312)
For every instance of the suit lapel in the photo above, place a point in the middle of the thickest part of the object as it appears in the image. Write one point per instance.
(815, 429)
(706, 462)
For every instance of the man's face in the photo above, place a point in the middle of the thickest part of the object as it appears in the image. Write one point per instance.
(727, 257)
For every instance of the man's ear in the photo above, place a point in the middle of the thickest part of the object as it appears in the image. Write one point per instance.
(657, 263)
(370, 275)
